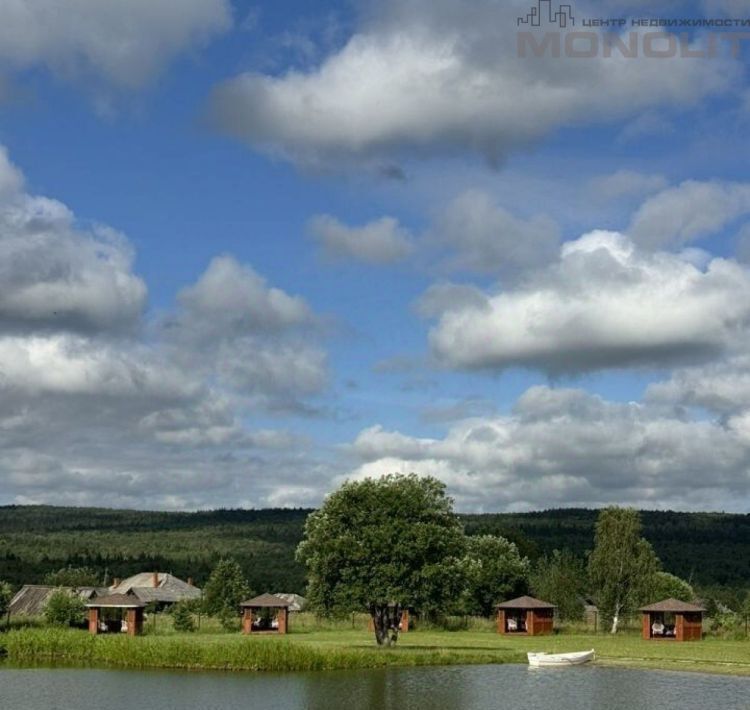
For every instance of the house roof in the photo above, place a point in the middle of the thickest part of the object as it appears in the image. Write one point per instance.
(673, 606)
(169, 589)
(267, 600)
(31, 599)
(120, 601)
(525, 603)
(296, 602)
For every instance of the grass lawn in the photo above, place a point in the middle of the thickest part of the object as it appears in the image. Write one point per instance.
(341, 648)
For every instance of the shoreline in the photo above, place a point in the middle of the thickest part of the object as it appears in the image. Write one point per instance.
(329, 651)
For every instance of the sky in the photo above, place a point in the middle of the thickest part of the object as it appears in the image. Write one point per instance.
(250, 250)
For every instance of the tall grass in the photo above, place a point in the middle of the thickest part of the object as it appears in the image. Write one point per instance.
(222, 652)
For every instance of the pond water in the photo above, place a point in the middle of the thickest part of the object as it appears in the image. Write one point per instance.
(508, 687)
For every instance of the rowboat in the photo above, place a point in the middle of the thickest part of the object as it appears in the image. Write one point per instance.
(560, 659)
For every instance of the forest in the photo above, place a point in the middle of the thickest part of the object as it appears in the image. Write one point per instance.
(710, 550)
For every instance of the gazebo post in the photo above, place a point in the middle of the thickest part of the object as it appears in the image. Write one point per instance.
(247, 620)
(283, 619)
(646, 626)
(93, 620)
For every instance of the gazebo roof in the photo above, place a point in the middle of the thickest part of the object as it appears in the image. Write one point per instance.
(270, 601)
(116, 601)
(525, 603)
(673, 606)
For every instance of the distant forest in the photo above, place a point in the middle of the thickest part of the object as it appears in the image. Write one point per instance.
(709, 549)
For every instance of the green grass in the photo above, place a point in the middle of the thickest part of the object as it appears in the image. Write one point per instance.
(316, 649)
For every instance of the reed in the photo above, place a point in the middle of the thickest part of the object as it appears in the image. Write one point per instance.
(223, 652)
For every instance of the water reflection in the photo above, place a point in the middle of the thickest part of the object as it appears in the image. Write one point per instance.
(454, 688)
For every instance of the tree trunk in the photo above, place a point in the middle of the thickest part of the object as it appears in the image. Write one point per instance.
(615, 619)
(385, 621)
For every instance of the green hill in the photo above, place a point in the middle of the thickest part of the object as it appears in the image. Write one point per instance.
(708, 548)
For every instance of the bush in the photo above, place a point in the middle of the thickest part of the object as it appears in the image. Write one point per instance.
(182, 619)
(229, 619)
(65, 609)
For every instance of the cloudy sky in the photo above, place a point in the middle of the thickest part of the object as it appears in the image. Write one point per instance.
(249, 250)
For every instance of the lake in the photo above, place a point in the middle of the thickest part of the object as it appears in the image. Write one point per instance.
(509, 687)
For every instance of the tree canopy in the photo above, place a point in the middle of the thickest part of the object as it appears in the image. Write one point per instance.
(560, 578)
(383, 545)
(226, 589)
(669, 586)
(494, 571)
(622, 564)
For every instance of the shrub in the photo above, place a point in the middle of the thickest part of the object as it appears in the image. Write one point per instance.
(65, 609)
(182, 619)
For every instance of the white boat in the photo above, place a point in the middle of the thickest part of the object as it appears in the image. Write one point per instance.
(560, 659)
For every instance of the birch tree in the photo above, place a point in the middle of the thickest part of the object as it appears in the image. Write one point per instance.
(622, 566)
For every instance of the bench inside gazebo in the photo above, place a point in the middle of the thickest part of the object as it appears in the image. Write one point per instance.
(525, 616)
(673, 620)
(265, 614)
(116, 613)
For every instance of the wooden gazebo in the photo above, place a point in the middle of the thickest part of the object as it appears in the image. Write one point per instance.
(525, 616)
(673, 620)
(258, 616)
(129, 611)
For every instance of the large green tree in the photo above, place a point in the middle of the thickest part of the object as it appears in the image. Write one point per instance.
(226, 589)
(622, 564)
(494, 571)
(560, 578)
(382, 545)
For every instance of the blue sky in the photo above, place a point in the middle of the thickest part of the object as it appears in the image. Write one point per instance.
(253, 249)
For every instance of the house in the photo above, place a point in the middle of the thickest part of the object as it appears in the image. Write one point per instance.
(31, 599)
(160, 588)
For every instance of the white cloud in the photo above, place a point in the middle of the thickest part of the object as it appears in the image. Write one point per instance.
(57, 275)
(382, 241)
(100, 405)
(486, 238)
(689, 211)
(430, 78)
(126, 44)
(257, 339)
(568, 447)
(604, 304)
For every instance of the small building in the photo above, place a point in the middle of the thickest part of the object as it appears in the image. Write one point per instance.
(673, 620)
(265, 614)
(159, 588)
(116, 613)
(525, 616)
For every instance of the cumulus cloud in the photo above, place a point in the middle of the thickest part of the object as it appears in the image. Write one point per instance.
(604, 304)
(486, 238)
(102, 404)
(689, 211)
(441, 77)
(383, 241)
(256, 338)
(126, 44)
(55, 274)
(568, 447)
